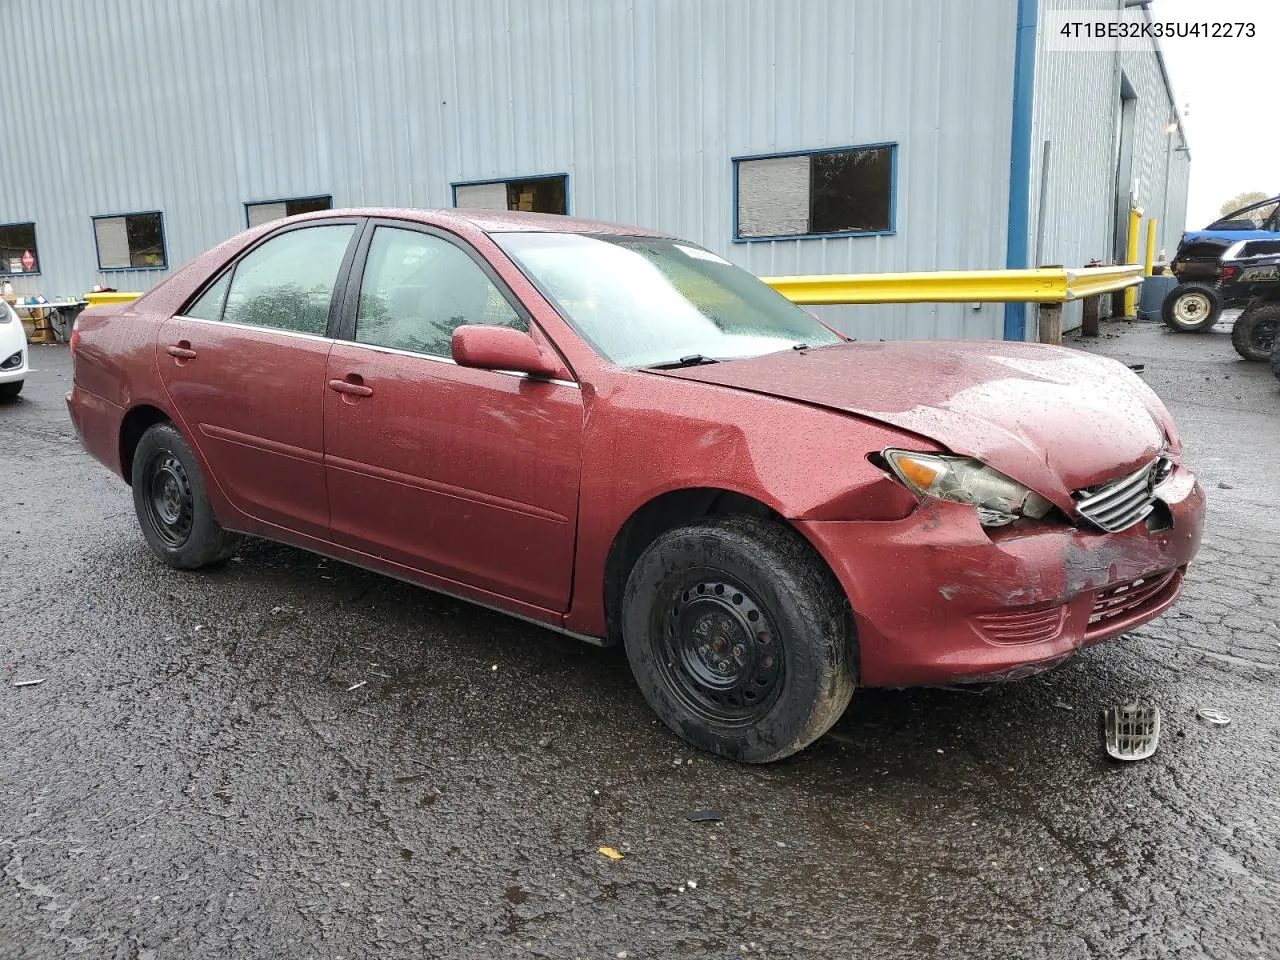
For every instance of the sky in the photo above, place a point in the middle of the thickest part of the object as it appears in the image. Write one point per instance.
(1225, 90)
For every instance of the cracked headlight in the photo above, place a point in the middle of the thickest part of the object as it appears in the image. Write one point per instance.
(997, 499)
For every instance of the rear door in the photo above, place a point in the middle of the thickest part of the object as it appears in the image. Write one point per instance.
(245, 368)
(468, 475)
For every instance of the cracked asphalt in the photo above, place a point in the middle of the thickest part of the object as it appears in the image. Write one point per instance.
(200, 775)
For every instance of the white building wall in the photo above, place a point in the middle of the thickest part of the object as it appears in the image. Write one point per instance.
(1077, 110)
(195, 107)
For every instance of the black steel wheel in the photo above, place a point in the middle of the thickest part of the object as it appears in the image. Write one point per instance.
(1255, 331)
(739, 637)
(718, 649)
(173, 509)
(170, 506)
(1191, 307)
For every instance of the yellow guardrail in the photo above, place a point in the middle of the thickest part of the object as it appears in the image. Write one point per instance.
(99, 299)
(1041, 285)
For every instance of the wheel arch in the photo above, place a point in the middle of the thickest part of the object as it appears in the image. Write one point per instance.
(135, 423)
(664, 512)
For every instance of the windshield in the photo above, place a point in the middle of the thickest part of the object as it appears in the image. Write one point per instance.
(643, 302)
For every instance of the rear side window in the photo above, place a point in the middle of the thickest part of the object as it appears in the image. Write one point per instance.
(287, 283)
(417, 289)
(209, 306)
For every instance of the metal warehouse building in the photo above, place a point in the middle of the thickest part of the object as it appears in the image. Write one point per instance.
(791, 136)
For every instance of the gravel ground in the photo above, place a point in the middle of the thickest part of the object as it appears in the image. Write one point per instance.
(195, 778)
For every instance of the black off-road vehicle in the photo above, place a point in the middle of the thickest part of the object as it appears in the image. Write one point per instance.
(1196, 303)
(1249, 273)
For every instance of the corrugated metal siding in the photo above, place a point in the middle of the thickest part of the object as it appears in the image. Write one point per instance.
(193, 108)
(1077, 108)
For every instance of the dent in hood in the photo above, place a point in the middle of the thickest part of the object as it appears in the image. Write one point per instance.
(1051, 418)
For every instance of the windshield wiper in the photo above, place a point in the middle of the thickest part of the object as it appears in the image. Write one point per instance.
(692, 360)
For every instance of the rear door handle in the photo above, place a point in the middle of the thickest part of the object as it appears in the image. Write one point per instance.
(181, 350)
(352, 387)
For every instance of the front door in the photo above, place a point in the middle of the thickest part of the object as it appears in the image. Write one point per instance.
(245, 369)
(470, 476)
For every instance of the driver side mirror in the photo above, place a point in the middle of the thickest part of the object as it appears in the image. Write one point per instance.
(501, 348)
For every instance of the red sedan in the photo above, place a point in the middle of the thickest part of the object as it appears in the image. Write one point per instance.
(621, 436)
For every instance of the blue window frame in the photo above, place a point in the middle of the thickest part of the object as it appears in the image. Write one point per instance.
(806, 194)
(258, 212)
(16, 241)
(130, 241)
(542, 193)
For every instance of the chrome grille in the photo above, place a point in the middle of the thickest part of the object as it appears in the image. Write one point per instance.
(1119, 504)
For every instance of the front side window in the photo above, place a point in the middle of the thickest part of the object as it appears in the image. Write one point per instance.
(259, 213)
(417, 289)
(209, 305)
(287, 283)
(643, 302)
(528, 194)
(824, 193)
(18, 249)
(132, 241)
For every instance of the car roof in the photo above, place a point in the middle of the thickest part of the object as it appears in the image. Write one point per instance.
(493, 221)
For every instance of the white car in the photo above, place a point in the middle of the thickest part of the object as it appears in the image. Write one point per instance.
(13, 353)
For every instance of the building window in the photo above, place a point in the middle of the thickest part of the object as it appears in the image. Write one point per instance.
(820, 193)
(18, 249)
(256, 214)
(530, 194)
(131, 241)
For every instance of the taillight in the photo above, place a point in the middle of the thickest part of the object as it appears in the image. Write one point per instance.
(1226, 272)
(75, 341)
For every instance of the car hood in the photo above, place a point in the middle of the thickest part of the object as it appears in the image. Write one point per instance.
(1051, 418)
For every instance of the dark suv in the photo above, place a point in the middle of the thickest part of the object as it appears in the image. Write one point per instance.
(1249, 273)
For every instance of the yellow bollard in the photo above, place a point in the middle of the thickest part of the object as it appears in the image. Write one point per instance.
(1131, 256)
(1150, 260)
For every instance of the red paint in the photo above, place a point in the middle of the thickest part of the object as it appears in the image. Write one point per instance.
(511, 490)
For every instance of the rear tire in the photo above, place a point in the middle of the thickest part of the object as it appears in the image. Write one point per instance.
(172, 506)
(739, 637)
(1191, 307)
(10, 391)
(1254, 332)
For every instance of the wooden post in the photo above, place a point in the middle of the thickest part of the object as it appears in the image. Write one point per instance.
(1089, 325)
(1050, 327)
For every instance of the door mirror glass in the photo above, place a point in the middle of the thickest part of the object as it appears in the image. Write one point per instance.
(501, 348)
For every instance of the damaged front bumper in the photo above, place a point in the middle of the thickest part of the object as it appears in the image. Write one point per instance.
(939, 600)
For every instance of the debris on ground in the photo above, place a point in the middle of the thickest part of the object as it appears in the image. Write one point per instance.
(28, 683)
(544, 742)
(1131, 731)
(356, 686)
(611, 853)
(1223, 485)
(704, 816)
(1213, 716)
(1063, 705)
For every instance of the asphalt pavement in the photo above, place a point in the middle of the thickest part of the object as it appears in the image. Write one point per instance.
(288, 757)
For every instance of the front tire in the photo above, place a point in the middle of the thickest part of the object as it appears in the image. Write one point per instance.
(172, 506)
(10, 391)
(1254, 332)
(1191, 307)
(739, 637)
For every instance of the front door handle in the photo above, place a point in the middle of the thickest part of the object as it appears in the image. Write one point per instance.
(352, 386)
(181, 350)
